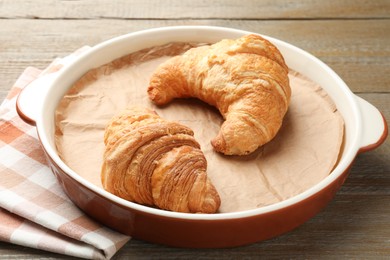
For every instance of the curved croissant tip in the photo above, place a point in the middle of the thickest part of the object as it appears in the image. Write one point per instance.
(211, 201)
(219, 144)
(212, 204)
(156, 95)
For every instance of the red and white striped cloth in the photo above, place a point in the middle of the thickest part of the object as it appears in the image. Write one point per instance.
(34, 211)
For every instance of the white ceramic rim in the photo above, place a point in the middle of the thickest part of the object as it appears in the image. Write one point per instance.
(349, 155)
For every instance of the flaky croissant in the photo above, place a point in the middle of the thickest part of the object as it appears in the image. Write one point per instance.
(246, 79)
(152, 161)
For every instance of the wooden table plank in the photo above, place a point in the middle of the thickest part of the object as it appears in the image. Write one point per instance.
(358, 50)
(351, 36)
(189, 9)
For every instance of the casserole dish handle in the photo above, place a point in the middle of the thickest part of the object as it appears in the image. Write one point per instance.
(29, 102)
(30, 99)
(375, 129)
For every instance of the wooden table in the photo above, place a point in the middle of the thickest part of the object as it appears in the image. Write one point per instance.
(351, 36)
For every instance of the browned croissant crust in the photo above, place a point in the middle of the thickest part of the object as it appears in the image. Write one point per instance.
(246, 79)
(152, 161)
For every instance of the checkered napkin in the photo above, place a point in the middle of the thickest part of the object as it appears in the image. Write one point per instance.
(34, 211)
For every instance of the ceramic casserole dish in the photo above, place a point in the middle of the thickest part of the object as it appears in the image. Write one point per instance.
(365, 129)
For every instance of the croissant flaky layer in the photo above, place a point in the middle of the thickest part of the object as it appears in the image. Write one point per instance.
(155, 162)
(246, 79)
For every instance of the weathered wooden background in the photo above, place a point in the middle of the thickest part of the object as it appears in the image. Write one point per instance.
(351, 36)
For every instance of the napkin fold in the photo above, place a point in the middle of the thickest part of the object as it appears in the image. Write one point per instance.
(34, 210)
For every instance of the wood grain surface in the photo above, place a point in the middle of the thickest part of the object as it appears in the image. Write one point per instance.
(351, 36)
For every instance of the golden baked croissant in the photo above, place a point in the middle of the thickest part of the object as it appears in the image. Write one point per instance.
(152, 161)
(246, 79)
